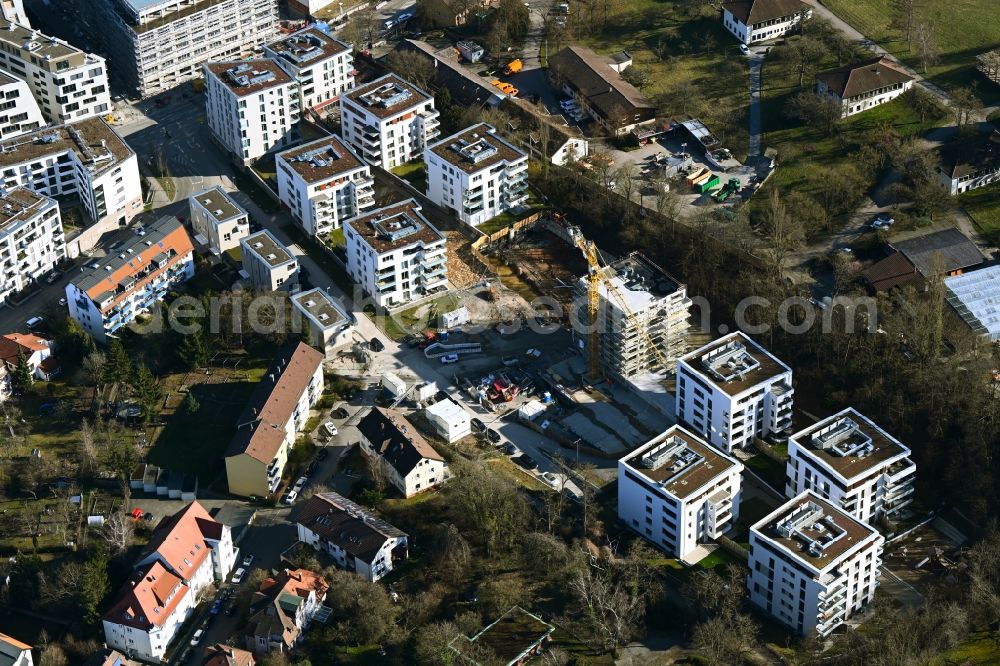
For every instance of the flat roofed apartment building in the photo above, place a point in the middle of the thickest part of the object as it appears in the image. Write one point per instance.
(476, 174)
(677, 491)
(732, 390)
(812, 565)
(324, 183)
(156, 45)
(85, 159)
(19, 112)
(396, 254)
(853, 463)
(322, 66)
(217, 220)
(388, 121)
(68, 84)
(268, 263)
(32, 240)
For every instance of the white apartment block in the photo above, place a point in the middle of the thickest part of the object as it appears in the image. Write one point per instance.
(641, 305)
(68, 84)
(395, 254)
(330, 323)
(13, 10)
(851, 462)
(760, 20)
(812, 566)
(31, 239)
(857, 88)
(732, 390)
(676, 491)
(252, 107)
(322, 65)
(159, 44)
(476, 174)
(269, 265)
(187, 554)
(19, 112)
(133, 281)
(323, 183)
(86, 159)
(388, 121)
(218, 222)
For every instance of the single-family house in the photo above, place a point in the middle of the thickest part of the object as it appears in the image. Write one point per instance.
(37, 352)
(227, 655)
(283, 608)
(410, 463)
(864, 85)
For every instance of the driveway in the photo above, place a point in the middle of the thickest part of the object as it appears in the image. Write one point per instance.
(756, 62)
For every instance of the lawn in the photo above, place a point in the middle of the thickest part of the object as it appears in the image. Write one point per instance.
(694, 65)
(497, 223)
(979, 648)
(425, 315)
(196, 443)
(769, 470)
(983, 206)
(337, 238)
(962, 30)
(415, 173)
(718, 559)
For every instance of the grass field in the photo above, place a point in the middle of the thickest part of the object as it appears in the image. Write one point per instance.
(983, 206)
(962, 30)
(979, 648)
(681, 52)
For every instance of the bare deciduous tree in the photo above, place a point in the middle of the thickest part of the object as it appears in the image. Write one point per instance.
(118, 531)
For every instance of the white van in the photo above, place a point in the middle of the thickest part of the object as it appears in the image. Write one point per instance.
(34, 323)
(450, 358)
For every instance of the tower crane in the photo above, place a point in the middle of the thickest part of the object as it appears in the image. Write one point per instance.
(596, 275)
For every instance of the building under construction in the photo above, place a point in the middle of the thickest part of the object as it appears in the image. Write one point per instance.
(649, 308)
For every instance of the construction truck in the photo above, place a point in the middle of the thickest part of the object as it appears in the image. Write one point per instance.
(513, 67)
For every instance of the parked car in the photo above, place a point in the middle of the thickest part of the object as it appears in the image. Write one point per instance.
(882, 221)
(300, 484)
(449, 358)
(477, 425)
(34, 323)
(527, 461)
(247, 561)
(510, 449)
(216, 607)
(290, 497)
(340, 413)
(533, 353)
(493, 435)
(196, 639)
(62, 301)
(148, 517)
(311, 469)
(376, 345)
(551, 479)
(744, 49)
(238, 576)
(53, 276)
(331, 429)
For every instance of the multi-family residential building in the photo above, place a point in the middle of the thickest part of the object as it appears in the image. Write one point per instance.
(759, 20)
(865, 85)
(32, 241)
(277, 410)
(252, 107)
(477, 174)
(85, 159)
(411, 464)
(732, 390)
(969, 163)
(388, 121)
(330, 323)
(678, 492)
(322, 65)
(812, 565)
(395, 254)
(270, 265)
(642, 309)
(595, 83)
(356, 539)
(133, 281)
(68, 84)
(13, 652)
(854, 464)
(283, 608)
(323, 183)
(158, 44)
(37, 352)
(19, 112)
(219, 223)
(187, 553)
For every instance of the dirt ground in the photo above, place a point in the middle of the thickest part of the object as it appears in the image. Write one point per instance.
(545, 261)
(907, 557)
(464, 269)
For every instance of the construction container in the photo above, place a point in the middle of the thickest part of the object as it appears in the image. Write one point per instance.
(708, 175)
(696, 175)
(709, 184)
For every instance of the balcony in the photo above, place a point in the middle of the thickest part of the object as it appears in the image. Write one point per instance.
(899, 470)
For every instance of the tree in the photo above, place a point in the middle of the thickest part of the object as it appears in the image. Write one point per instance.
(726, 639)
(377, 472)
(965, 106)
(430, 645)
(905, 18)
(94, 585)
(118, 530)
(451, 551)
(802, 56)
(814, 109)
(362, 613)
(499, 594)
(53, 655)
(639, 77)
(147, 391)
(191, 404)
(496, 511)
(122, 458)
(194, 350)
(924, 104)
(412, 66)
(783, 231)
(20, 376)
(927, 48)
(117, 368)
(93, 369)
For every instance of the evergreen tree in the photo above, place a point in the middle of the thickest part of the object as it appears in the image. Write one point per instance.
(20, 378)
(94, 585)
(191, 404)
(194, 350)
(147, 391)
(117, 366)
